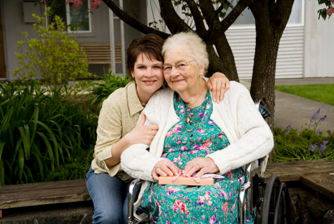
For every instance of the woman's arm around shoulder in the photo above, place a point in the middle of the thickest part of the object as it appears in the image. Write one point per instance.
(254, 137)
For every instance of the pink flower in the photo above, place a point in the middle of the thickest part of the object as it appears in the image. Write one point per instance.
(207, 143)
(183, 148)
(330, 11)
(212, 220)
(210, 203)
(43, 1)
(200, 130)
(207, 197)
(76, 3)
(95, 4)
(172, 190)
(201, 200)
(184, 208)
(225, 209)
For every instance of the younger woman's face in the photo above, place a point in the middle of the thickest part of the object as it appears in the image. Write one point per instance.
(148, 75)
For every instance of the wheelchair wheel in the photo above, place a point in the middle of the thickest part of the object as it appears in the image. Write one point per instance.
(282, 213)
(270, 197)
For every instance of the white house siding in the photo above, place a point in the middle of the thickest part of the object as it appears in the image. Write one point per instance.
(290, 54)
(319, 47)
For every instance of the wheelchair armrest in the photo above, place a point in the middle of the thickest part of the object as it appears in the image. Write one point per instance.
(244, 188)
(132, 195)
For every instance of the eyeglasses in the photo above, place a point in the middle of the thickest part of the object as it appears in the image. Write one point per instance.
(180, 66)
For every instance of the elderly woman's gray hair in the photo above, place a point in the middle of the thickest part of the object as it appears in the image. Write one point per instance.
(195, 44)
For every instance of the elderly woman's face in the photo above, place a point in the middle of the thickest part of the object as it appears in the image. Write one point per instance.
(147, 74)
(180, 69)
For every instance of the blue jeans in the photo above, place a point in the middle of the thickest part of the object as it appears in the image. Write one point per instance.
(109, 195)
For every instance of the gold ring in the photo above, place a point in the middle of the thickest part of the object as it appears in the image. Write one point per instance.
(200, 167)
(223, 83)
(155, 169)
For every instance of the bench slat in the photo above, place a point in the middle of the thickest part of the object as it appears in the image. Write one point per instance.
(321, 182)
(292, 171)
(99, 53)
(43, 193)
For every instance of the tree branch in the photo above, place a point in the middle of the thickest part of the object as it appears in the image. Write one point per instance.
(174, 23)
(280, 14)
(200, 28)
(208, 11)
(234, 14)
(132, 21)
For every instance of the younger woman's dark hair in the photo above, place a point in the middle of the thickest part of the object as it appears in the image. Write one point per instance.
(150, 45)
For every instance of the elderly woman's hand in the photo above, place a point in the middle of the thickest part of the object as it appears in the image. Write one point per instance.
(218, 84)
(200, 165)
(164, 168)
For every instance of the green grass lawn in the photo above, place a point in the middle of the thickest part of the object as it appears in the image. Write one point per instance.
(322, 92)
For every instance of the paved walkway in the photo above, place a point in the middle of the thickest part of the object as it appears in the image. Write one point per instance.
(296, 111)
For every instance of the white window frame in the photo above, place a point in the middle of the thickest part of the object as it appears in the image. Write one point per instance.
(68, 20)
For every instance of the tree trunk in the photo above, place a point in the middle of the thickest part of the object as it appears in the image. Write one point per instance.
(264, 70)
(271, 18)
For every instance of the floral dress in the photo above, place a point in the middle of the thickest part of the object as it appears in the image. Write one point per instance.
(195, 135)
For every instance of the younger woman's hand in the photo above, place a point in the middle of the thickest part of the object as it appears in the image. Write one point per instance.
(200, 165)
(164, 168)
(141, 133)
(218, 84)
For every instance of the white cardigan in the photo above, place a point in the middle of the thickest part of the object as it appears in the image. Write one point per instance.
(249, 135)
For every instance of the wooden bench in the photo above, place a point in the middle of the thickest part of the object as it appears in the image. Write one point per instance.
(315, 174)
(23, 195)
(99, 53)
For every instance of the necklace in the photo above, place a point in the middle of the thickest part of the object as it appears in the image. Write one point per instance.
(143, 104)
(191, 115)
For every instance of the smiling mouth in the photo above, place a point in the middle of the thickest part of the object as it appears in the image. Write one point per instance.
(178, 80)
(149, 82)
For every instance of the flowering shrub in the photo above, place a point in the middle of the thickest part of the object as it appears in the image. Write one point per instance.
(309, 144)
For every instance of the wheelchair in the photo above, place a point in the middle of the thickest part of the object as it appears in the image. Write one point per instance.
(269, 202)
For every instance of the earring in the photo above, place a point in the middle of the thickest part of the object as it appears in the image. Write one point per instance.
(199, 75)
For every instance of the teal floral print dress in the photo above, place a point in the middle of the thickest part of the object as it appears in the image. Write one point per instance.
(185, 141)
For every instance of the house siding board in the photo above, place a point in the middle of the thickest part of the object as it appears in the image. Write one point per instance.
(289, 58)
(12, 27)
(319, 46)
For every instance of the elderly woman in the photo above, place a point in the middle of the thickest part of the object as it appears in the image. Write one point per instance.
(197, 136)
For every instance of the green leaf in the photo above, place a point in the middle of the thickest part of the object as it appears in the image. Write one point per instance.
(24, 131)
(21, 162)
(49, 148)
(225, 6)
(37, 155)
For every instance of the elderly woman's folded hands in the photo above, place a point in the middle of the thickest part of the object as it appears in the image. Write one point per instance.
(200, 165)
(164, 168)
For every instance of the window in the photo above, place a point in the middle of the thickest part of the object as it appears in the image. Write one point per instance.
(77, 19)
